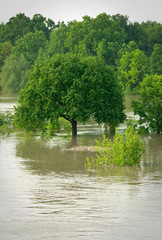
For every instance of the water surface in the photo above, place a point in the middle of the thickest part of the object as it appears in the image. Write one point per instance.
(46, 192)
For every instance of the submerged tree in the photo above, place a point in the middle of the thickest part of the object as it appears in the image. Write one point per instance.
(71, 87)
(149, 108)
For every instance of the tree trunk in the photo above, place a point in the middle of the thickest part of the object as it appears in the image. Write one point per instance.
(74, 128)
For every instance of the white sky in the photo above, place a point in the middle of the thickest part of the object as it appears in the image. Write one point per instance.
(67, 10)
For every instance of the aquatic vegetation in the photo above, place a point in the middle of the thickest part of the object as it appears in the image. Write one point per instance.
(122, 150)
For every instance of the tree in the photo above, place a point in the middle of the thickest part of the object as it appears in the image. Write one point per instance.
(40, 23)
(149, 108)
(15, 73)
(132, 68)
(5, 51)
(71, 87)
(100, 36)
(29, 45)
(136, 32)
(156, 60)
(57, 40)
(16, 28)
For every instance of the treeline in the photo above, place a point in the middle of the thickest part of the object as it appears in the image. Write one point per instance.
(133, 50)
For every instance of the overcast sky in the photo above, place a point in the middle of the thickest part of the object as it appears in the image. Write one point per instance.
(67, 10)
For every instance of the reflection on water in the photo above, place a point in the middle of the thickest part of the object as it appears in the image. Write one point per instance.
(7, 101)
(46, 193)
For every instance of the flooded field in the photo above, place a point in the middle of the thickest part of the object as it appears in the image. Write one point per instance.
(46, 192)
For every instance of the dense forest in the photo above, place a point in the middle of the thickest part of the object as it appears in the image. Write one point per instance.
(133, 50)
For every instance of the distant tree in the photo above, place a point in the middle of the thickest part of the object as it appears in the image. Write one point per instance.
(29, 45)
(20, 25)
(5, 51)
(73, 88)
(132, 68)
(2, 36)
(57, 40)
(123, 21)
(154, 34)
(137, 33)
(40, 23)
(100, 36)
(15, 73)
(156, 60)
(16, 28)
(149, 107)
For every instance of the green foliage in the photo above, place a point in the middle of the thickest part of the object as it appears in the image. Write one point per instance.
(120, 151)
(16, 27)
(57, 39)
(105, 36)
(5, 51)
(15, 73)
(132, 68)
(29, 46)
(40, 23)
(138, 33)
(156, 60)
(101, 36)
(71, 87)
(20, 25)
(6, 126)
(150, 107)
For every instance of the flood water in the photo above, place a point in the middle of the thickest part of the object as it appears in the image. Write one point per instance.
(46, 192)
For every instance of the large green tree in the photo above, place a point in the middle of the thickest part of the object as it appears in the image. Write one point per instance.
(71, 87)
(149, 107)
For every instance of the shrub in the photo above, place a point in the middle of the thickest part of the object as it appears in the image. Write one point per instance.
(6, 125)
(123, 150)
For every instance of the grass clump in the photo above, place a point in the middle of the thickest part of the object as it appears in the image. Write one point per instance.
(122, 150)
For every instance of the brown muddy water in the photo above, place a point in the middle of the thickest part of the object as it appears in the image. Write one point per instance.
(46, 192)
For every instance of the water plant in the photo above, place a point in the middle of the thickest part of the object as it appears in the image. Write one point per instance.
(123, 150)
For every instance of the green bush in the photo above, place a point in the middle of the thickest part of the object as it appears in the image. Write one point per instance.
(6, 125)
(123, 150)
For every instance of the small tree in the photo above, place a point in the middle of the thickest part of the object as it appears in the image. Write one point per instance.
(73, 88)
(149, 108)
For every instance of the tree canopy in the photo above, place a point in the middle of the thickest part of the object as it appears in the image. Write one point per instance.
(132, 68)
(72, 87)
(29, 45)
(149, 108)
(108, 37)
